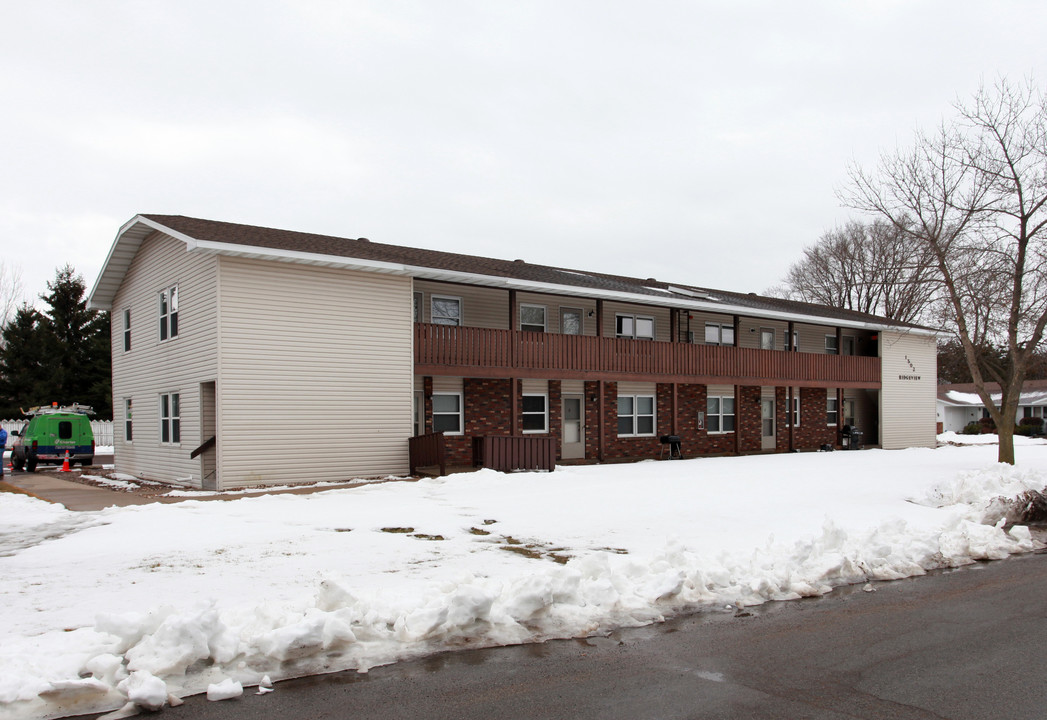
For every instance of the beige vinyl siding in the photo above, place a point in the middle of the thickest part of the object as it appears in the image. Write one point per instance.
(572, 387)
(724, 390)
(177, 365)
(908, 397)
(481, 306)
(637, 388)
(330, 348)
(553, 303)
(534, 386)
(811, 338)
(661, 318)
(447, 384)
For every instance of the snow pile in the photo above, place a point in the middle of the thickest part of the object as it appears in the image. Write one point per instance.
(954, 438)
(287, 585)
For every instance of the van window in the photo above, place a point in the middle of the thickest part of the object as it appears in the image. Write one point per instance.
(65, 430)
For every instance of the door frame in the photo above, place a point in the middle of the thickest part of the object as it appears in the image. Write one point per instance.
(572, 451)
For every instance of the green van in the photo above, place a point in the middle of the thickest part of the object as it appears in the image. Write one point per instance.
(53, 434)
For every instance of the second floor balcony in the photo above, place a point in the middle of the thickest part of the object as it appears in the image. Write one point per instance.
(486, 352)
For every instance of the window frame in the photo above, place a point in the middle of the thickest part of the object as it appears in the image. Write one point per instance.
(720, 327)
(432, 311)
(796, 407)
(533, 327)
(127, 330)
(832, 348)
(832, 410)
(635, 320)
(168, 310)
(460, 413)
(636, 415)
(129, 420)
(763, 335)
(171, 419)
(524, 413)
(720, 415)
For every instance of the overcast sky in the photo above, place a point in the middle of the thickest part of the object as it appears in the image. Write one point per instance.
(696, 142)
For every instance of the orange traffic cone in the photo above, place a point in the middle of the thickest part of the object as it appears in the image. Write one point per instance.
(65, 463)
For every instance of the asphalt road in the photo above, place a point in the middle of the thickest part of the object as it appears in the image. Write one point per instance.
(957, 644)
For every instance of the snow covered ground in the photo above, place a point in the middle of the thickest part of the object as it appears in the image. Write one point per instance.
(148, 603)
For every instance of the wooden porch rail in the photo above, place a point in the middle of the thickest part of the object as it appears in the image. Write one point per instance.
(514, 452)
(426, 451)
(486, 352)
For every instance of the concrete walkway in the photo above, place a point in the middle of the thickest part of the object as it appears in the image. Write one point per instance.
(52, 487)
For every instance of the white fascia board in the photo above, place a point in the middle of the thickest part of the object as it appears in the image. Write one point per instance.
(527, 285)
(93, 301)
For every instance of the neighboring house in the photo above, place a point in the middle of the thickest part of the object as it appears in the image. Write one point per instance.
(959, 404)
(246, 355)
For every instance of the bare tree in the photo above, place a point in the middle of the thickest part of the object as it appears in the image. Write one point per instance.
(11, 293)
(869, 267)
(973, 194)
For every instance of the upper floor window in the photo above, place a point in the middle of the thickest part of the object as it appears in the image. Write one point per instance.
(831, 345)
(635, 415)
(719, 334)
(637, 327)
(535, 413)
(532, 318)
(169, 312)
(127, 331)
(446, 310)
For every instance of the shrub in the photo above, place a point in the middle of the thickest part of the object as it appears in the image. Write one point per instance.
(1034, 422)
(987, 424)
(972, 428)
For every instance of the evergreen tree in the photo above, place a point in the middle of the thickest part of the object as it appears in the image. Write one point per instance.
(60, 356)
(78, 344)
(24, 370)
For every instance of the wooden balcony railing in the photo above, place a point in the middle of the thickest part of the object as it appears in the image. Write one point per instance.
(485, 352)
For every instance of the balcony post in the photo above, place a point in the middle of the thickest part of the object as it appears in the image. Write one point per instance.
(514, 421)
(599, 319)
(599, 418)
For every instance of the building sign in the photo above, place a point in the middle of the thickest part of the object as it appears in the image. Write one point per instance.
(913, 375)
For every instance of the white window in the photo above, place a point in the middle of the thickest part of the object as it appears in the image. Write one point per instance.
(447, 413)
(719, 413)
(532, 318)
(719, 334)
(570, 321)
(635, 415)
(637, 327)
(128, 420)
(796, 407)
(767, 338)
(170, 419)
(446, 310)
(535, 413)
(127, 330)
(831, 346)
(169, 312)
(832, 412)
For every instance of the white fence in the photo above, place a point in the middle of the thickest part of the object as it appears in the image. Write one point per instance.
(102, 429)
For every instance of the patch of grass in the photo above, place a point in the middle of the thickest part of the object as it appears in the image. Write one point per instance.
(398, 530)
(478, 531)
(423, 536)
(490, 522)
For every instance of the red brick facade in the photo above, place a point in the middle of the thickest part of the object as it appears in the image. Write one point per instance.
(487, 411)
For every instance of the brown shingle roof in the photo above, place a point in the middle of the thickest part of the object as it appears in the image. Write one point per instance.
(287, 240)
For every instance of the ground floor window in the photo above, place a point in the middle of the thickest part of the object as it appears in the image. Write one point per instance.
(535, 414)
(128, 420)
(719, 414)
(447, 413)
(832, 410)
(796, 407)
(635, 415)
(170, 418)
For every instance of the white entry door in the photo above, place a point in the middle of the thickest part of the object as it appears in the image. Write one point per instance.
(573, 442)
(767, 424)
